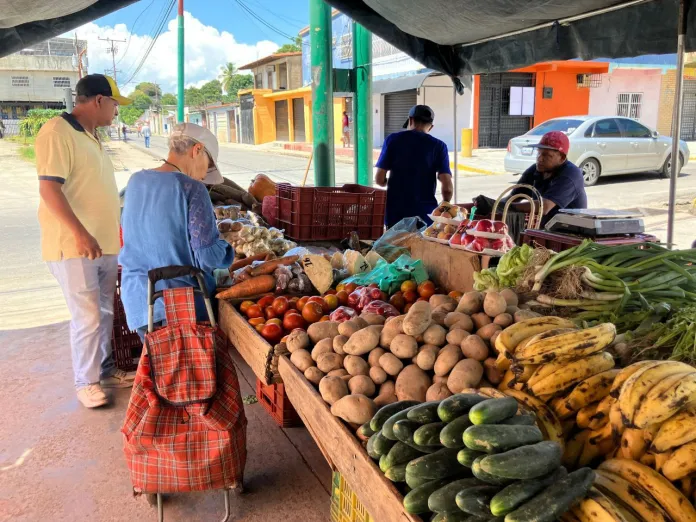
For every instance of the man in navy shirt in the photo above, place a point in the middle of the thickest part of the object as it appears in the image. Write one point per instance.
(559, 181)
(415, 161)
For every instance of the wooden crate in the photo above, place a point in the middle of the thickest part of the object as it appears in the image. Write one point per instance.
(342, 449)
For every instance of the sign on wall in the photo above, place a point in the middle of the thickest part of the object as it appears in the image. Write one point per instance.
(522, 101)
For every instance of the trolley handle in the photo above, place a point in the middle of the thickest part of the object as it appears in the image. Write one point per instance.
(173, 272)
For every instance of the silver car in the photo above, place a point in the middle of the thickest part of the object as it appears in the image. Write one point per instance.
(601, 145)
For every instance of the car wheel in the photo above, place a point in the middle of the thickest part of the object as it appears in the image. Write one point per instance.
(666, 171)
(590, 171)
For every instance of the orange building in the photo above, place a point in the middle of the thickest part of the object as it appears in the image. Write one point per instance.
(557, 89)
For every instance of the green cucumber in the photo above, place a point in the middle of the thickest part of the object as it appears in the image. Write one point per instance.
(442, 463)
(526, 462)
(466, 456)
(387, 411)
(416, 502)
(493, 438)
(452, 516)
(475, 500)
(383, 463)
(429, 434)
(516, 494)
(451, 435)
(388, 426)
(399, 454)
(366, 431)
(425, 449)
(370, 447)
(520, 420)
(486, 477)
(404, 429)
(413, 481)
(493, 411)
(555, 500)
(424, 413)
(457, 405)
(382, 445)
(396, 473)
(443, 500)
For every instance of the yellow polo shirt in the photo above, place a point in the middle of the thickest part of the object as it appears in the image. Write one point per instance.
(67, 154)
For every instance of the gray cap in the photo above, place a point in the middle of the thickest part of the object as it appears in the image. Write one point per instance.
(208, 140)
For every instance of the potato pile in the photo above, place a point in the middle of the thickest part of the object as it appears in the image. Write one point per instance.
(440, 347)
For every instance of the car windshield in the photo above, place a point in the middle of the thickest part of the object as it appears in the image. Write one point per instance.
(563, 125)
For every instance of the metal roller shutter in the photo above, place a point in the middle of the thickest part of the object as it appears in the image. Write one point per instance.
(246, 106)
(396, 107)
(298, 119)
(281, 119)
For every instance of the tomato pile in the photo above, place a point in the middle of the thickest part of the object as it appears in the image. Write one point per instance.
(276, 316)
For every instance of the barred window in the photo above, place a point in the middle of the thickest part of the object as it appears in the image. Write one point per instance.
(628, 104)
(61, 81)
(20, 81)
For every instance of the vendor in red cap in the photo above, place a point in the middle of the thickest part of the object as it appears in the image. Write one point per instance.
(559, 181)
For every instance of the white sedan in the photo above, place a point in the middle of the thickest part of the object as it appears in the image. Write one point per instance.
(601, 146)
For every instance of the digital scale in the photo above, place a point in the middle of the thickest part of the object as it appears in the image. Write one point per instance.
(596, 222)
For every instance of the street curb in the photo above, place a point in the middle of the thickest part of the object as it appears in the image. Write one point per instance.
(476, 170)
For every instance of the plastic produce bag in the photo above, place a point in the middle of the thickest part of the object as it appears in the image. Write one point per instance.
(283, 275)
(391, 245)
(389, 276)
(381, 308)
(342, 314)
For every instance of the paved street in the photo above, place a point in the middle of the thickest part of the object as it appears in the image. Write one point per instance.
(30, 297)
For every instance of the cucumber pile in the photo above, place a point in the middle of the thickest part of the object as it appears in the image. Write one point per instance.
(473, 458)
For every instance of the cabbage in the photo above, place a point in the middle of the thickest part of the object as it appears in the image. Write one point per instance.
(513, 264)
(486, 279)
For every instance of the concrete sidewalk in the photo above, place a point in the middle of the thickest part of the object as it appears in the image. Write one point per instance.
(60, 462)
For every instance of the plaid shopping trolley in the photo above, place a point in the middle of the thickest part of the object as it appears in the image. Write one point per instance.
(185, 428)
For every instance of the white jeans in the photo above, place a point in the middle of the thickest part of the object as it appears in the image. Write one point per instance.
(88, 287)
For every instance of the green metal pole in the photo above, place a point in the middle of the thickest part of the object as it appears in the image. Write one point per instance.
(362, 104)
(322, 93)
(180, 63)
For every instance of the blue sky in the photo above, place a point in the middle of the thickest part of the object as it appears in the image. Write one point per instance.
(217, 32)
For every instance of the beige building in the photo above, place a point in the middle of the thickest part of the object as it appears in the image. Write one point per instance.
(37, 77)
(282, 71)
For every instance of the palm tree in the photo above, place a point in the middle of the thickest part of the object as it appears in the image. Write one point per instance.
(227, 73)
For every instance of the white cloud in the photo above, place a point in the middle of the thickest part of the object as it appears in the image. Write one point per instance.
(206, 49)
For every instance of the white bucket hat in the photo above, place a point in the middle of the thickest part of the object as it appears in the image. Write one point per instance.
(209, 141)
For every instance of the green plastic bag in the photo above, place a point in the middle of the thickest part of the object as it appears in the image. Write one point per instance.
(389, 276)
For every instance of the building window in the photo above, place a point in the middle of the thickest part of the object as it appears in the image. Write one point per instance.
(258, 81)
(628, 104)
(20, 81)
(61, 81)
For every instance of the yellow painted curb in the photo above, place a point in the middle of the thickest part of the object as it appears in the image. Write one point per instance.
(476, 170)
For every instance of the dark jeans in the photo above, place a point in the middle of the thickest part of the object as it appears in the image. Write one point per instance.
(147, 142)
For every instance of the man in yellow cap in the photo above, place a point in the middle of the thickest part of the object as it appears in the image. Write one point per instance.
(79, 218)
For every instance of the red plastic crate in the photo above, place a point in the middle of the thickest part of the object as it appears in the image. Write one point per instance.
(560, 242)
(330, 213)
(276, 403)
(126, 346)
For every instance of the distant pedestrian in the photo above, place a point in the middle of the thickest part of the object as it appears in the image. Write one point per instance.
(140, 131)
(125, 131)
(79, 214)
(2, 129)
(346, 129)
(146, 135)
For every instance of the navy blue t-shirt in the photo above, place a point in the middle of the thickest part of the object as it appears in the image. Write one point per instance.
(565, 188)
(413, 159)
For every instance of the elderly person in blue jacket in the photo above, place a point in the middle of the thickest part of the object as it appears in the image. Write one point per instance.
(168, 219)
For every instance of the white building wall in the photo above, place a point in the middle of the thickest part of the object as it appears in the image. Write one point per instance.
(377, 120)
(623, 80)
(437, 93)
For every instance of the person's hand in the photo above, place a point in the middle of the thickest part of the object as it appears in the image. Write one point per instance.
(87, 246)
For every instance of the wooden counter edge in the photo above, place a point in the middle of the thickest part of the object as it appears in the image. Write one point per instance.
(343, 450)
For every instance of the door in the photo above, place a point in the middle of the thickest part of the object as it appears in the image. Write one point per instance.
(688, 129)
(281, 121)
(396, 107)
(231, 127)
(643, 154)
(351, 124)
(246, 108)
(611, 148)
(298, 119)
(495, 125)
(283, 76)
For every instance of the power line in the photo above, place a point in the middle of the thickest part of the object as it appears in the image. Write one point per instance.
(284, 18)
(112, 50)
(152, 33)
(264, 22)
(133, 30)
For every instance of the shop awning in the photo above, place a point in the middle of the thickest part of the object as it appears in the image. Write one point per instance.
(26, 22)
(402, 83)
(461, 37)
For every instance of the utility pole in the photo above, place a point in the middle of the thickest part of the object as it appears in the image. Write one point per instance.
(362, 104)
(112, 50)
(180, 59)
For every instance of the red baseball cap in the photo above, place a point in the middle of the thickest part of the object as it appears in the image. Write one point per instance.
(554, 140)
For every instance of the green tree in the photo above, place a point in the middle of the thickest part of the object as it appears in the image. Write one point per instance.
(194, 98)
(237, 83)
(227, 72)
(129, 114)
(168, 99)
(151, 89)
(142, 101)
(289, 48)
(30, 125)
(212, 91)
